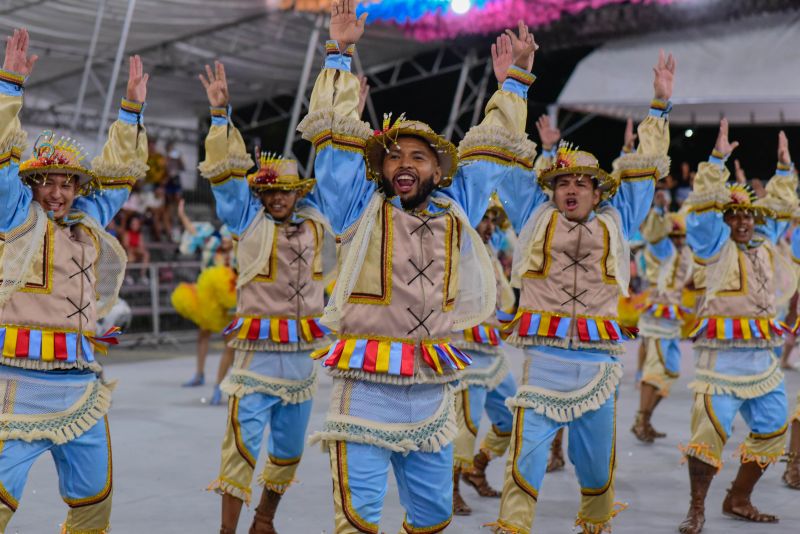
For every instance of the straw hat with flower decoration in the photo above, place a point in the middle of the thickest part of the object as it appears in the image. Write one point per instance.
(743, 198)
(379, 144)
(571, 161)
(275, 173)
(57, 156)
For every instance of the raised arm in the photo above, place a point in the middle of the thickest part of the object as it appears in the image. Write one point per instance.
(638, 171)
(123, 160)
(227, 160)
(781, 196)
(549, 136)
(334, 127)
(655, 231)
(15, 197)
(497, 154)
(706, 231)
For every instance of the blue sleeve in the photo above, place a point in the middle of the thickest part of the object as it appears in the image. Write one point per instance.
(236, 205)
(632, 201)
(772, 229)
(15, 197)
(343, 190)
(521, 195)
(706, 233)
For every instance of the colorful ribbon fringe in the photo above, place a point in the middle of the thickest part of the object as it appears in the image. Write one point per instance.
(738, 328)
(554, 326)
(482, 334)
(661, 311)
(277, 330)
(48, 346)
(390, 357)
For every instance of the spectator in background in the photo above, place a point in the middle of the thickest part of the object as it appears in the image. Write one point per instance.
(133, 242)
(755, 183)
(154, 191)
(133, 206)
(174, 168)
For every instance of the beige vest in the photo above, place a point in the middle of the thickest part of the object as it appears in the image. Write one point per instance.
(576, 276)
(290, 284)
(59, 295)
(748, 289)
(407, 286)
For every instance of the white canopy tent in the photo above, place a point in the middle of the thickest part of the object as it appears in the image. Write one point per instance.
(747, 71)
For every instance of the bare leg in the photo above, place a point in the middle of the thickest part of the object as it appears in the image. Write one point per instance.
(792, 474)
(198, 379)
(737, 504)
(225, 363)
(231, 509)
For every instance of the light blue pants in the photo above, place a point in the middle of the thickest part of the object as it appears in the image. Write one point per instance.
(248, 418)
(84, 476)
(360, 473)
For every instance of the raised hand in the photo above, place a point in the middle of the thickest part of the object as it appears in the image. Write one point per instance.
(724, 146)
(523, 46)
(137, 81)
(738, 171)
(345, 27)
(502, 57)
(363, 93)
(216, 85)
(784, 156)
(548, 135)
(630, 137)
(17, 59)
(664, 76)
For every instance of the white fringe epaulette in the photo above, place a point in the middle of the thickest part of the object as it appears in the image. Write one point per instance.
(570, 405)
(702, 200)
(485, 135)
(630, 163)
(106, 170)
(240, 162)
(16, 139)
(324, 120)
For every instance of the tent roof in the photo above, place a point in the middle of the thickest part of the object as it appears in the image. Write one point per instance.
(748, 71)
(263, 50)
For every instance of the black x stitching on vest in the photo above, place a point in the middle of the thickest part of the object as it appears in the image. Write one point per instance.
(577, 224)
(420, 272)
(576, 262)
(574, 297)
(299, 255)
(298, 291)
(78, 310)
(420, 322)
(424, 224)
(82, 270)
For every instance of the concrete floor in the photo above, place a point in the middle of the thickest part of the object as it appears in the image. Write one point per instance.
(166, 450)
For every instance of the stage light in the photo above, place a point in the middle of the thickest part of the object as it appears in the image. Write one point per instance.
(460, 7)
(689, 132)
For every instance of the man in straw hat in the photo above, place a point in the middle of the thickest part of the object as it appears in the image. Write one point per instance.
(745, 280)
(668, 268)
(487, 382)
(412, 270)
(571, 264)
(53, 251)
(280, 300)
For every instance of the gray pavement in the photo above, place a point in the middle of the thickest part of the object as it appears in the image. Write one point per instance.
(166, 450)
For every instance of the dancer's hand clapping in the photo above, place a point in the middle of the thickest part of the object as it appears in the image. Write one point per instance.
(216, 85)
(345, 27)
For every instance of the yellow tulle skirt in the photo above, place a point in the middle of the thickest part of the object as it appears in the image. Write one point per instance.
(208, 303)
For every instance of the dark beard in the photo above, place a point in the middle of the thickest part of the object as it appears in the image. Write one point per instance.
(426, 187)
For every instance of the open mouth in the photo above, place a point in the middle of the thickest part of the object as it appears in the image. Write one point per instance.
(571, 203)
(277, 207)
(404, 182)
(53, 206)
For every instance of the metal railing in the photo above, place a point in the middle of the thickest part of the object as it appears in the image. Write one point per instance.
(152, 320)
